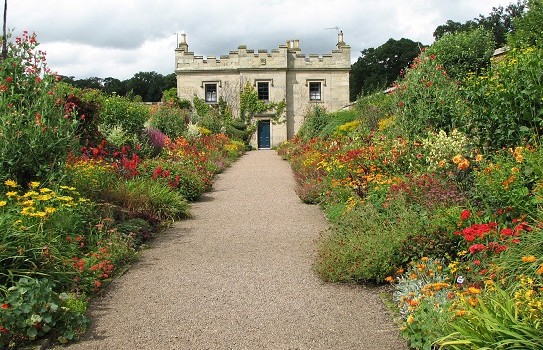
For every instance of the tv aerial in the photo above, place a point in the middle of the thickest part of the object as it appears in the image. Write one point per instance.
(336, 28)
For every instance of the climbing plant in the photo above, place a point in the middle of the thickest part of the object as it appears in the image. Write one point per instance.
(250, 105)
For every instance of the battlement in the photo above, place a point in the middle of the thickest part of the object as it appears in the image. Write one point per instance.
(287, 56)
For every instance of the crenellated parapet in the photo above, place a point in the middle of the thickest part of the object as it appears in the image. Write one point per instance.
(287, 56)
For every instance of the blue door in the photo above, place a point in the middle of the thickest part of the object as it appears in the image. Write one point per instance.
(264, 134)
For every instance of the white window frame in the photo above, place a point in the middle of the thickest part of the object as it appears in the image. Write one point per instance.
(213, 98)
(313, 94)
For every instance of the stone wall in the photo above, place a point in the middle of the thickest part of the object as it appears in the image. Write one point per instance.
(288, 71)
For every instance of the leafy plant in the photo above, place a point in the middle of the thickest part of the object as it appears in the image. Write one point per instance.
(31, 309)
(36, 132)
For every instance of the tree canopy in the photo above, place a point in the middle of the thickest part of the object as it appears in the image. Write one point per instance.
(378, 67)
(148, 85)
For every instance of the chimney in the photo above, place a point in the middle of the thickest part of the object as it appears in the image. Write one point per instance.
(183, 44)
(340, 41)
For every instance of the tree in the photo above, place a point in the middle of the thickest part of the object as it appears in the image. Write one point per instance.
(148, 85)
(500, 22)
(114, 86)
(529, 27)
(378, 67)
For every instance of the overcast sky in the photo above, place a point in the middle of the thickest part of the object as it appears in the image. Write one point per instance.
(118, 38)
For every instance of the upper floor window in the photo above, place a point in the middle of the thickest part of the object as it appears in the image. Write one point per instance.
(315, 91)
(210, 93)
(263, 88)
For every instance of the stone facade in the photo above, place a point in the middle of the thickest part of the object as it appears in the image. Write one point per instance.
(282, 74)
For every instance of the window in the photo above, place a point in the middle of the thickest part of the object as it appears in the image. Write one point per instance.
(211, 93)
(263, 88)
(314, 91)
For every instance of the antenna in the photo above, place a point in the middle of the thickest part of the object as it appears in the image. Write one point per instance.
(336, 28)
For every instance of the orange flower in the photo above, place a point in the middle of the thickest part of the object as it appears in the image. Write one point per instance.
(389, 279)
(474, 290)
(457, 159)
(473, 301)
(460, 313)
(478, 157)
(540, 270)
(528, 259)
(463, 165)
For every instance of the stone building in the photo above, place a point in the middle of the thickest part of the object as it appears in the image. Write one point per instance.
(284, 74)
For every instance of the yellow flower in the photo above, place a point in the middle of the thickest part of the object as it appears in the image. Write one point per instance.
(28, 203)
(442, 163)
(46, 190)
(50, 210)
(44, 197)
(515, 170)
(34, 184)
(38, 214)
(30, 194)
(3, 203)
(528, 259)
(11, 194)
(478, 157)
(10, 183)
(410, 319)
(68, 188)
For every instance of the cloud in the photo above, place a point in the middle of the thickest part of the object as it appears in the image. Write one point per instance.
(119, 38)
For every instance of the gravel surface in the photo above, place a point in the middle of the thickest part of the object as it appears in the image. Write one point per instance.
(238, 275)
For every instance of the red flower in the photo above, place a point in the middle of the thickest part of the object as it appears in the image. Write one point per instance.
(477, 248)
(5, 306)
(465, 214)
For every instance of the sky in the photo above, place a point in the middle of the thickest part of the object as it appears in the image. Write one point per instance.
(119, 38)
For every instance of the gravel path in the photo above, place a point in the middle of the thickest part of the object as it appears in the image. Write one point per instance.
(238, 275)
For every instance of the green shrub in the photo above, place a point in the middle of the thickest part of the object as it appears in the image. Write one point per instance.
(374, 108)
(125, 113)
(151, 198)
(427, 99)
(364, 246)
(31, 309)
(336, 120)
(528, 30)
(315, 121)
(463, 52)
(36, 132)
(169, 119)
(506, 102)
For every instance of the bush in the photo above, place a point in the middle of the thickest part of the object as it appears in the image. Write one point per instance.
(338, 119)
(124, 113)
(463, 52)
(36, 132)
(31, 309)
(364, 246)
(315, 121)
(169, 119)
(427, 99)
(506, 102)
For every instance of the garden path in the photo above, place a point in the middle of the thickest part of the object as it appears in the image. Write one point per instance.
(238, 275)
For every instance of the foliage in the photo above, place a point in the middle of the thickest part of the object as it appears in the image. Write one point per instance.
(315, 120)
(377, 68)
(427, 98)
(122, 112)
(463, 52)
(36, 130)
(506, 101)
(500, 22)
(511, 179)
(528, 30)
(31, 309)
(341, 122)
(169, 118)
(250, 105)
